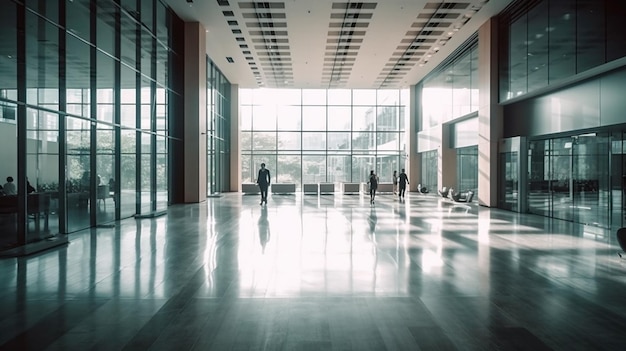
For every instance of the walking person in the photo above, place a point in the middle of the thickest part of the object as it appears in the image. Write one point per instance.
(403, 180)
(373, 183)
(263, 180)
(394, 180)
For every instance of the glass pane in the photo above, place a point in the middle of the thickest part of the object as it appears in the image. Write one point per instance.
(339, 118)
(289, 118)
(47, 8)
(313, 169)
(387, 119)
(313, 141)
(538, 52)
(127, 198)
(161, 174)
(78, 15)
(562, 31)
(361, 167)
(429, 170)
(146, 204)
(264, 141)
(388, 97)
(106, 13)
(313, 97)
(264, 117)
(288, 169)
(590, 40)
(339, 141)
(8, 159)
(8, 50)
(339, 168)
(289, 141)
(42, 62)
(364, 141)
(105, 174)
(364, 118)
(313, 118)
(78, 78)
(364, 97)
(78, 176)
(518, 58)
(339, 97)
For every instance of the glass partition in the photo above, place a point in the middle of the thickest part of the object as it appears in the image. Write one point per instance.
(570, 178)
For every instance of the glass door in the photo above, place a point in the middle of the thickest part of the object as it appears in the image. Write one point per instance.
(540, 178)
(618, 181)
(590, 179)
(509, 181)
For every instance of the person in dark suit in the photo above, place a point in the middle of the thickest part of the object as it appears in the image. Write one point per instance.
(263, 180)
(403, 181)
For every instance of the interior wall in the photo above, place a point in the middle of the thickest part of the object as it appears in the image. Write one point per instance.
(594, 103)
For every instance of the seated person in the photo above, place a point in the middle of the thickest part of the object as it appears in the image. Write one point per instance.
(9, 187)
(29, 188)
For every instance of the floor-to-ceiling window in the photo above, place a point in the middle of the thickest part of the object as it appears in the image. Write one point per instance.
(218, 130)
(316, 135)
(449, 95)
(84, 99)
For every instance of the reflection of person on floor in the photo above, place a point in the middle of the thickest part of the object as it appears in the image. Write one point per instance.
(263, 180)
(264, 228)
(394, 180)
(9, 187)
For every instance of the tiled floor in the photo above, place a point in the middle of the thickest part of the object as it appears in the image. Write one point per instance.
(321, 273)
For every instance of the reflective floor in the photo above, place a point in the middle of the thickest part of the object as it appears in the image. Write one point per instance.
(321, 273)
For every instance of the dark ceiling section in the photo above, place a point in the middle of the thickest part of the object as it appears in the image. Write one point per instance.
(348, 25)
(266, 23)
(433, 27)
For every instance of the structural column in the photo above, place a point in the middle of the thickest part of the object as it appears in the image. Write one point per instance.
(414, 161)
(446, 162)
(490, 114)
(195, 115)
(235, 143)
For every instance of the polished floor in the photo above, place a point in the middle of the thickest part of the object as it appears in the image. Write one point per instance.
(327, 272)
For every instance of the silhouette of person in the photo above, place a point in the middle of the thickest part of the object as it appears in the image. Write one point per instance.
(263, 180)
(373, 183)
(403, 180)
(29, 188)
(394, 180)
(9, 187)
(264, 229)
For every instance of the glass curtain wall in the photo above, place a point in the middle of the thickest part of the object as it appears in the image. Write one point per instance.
(218, 130)
(316, 135)
(570, 178)
(467, 168)
(451, 92)
(84, 112)
(429, 170)
(557, 39)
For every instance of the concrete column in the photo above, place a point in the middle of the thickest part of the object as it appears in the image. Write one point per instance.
(195, 115)
(490, 114)
(414, 160)
(446, 165)
(235, 142)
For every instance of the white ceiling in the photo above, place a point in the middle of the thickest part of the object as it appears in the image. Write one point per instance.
(294, 43)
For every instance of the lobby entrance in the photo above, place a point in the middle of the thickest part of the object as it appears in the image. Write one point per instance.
(579, 178)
